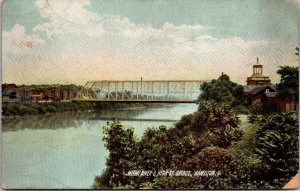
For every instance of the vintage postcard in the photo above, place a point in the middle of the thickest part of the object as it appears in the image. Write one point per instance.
(150, 94)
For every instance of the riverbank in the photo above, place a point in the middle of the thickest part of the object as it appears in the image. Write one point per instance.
(14, 109)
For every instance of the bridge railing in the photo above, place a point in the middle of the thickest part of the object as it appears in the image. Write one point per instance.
(158, 90)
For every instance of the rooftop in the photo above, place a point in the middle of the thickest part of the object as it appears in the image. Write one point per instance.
(255, 88)
(260, 88)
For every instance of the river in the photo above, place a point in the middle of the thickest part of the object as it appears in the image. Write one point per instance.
(66, 150)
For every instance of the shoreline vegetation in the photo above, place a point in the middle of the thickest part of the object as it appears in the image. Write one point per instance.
(16, 109)
(264, 155)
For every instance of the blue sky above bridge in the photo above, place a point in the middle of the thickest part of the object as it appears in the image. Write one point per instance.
(74, 41)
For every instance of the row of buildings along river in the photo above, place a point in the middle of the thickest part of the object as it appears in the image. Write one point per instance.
(38, 93)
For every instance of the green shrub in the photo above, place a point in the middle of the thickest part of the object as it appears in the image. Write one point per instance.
(278, 147)
(241, 109)
(51, 108)
(267, 156)
(42, 110)
(218, 123)
(25, 109)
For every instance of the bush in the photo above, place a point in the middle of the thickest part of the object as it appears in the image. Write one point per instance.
(278, 147)
(42, 110)
(241, 109)
(27, 109)
(218, 123)
(51, 108)
(267, 156)
(210, 158)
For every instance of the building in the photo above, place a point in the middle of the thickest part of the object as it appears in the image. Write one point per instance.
(8, 88)
(260, 90)
(257, 94)
(55, 93)
(257, 85)
(286, 105)
(9, 92)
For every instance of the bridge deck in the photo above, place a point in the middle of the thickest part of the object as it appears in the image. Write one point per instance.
(138, 100)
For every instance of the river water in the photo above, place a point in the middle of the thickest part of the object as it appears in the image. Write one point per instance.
(66, 150)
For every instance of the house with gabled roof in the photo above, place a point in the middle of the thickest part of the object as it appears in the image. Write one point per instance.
(256, 94)
(260, 90)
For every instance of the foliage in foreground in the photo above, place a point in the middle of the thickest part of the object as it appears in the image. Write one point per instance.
(267, 156)
(277, 146)
(190, 145)
(263, 156)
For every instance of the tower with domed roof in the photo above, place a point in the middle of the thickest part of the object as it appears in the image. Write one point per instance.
(257, 78)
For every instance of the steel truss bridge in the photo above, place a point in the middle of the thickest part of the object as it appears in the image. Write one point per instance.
(156, 91)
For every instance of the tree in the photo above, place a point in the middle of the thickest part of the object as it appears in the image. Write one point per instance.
(222, 90)
(156, 149)
(289, 82)
(122, 148)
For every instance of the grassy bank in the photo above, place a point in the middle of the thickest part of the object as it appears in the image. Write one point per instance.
(21, 108)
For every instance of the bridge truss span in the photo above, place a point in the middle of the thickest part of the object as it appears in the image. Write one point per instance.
(177, 91)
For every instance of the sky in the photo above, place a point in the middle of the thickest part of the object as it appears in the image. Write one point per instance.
(73, 41)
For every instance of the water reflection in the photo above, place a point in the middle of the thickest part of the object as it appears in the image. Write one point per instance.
(167, 113)
(53, 121)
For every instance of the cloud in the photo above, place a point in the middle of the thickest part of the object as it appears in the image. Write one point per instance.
(81, 45)
(69, 10)
(64, 15)
(16, 40)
